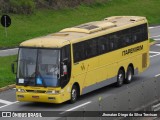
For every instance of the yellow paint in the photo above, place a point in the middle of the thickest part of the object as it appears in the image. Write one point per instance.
(93, 70)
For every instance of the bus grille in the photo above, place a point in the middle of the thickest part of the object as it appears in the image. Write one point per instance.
(36, 91)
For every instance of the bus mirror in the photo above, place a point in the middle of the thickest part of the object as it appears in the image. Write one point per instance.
(65, 60)
(13, 68)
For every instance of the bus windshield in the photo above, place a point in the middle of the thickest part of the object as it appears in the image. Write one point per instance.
(38, 67)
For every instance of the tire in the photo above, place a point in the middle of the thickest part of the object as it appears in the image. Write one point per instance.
(129, 75)
(74, 94)
(120, 78)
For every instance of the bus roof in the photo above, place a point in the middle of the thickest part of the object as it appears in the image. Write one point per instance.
(84, 31)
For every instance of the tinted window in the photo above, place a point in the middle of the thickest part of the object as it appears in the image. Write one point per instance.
(113, 41)
(109, 42)
(66, 53)
(90, 48)
(103, 44)
(78, 51)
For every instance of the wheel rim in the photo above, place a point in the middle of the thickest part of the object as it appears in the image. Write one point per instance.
(74, 94)
(120, 78)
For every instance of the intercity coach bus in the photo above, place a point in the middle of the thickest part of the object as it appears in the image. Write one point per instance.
(77, 60)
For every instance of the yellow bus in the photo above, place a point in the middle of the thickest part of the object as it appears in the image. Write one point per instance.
(77, 60)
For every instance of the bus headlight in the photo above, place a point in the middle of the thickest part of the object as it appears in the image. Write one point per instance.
(20, 90)
(53, 92)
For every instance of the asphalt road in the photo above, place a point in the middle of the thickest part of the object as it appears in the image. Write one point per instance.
(9, 103)
(8, 52)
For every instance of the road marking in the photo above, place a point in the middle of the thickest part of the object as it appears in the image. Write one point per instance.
(157, 44)
(154, 55)
(154, 52)
(157, 75)
(155, 36)
(157, 39)
(5, 102)
(154, 27)
(8, 104)
(71, 109)
(9, 49)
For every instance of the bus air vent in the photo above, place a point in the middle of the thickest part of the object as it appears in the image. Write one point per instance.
(85, 28)
(36, 91)
(90, 27)
(136, 19)
(105, 25)
(60, 34)
(113, 18)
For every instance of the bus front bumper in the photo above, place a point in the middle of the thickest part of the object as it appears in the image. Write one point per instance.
(39, 97)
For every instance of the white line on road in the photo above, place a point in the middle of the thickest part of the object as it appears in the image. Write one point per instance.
(157, 39)
(76, 107)
(9, 49)
(157, 75)
(5, 102)
(154, 27)
(8, 104)
(155, 36)
(154, 52)
(154, 55)
(157, 44)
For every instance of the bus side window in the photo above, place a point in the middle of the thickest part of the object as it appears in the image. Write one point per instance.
(102, 44)
(113, 42)
(78, 51)
(91, 48)
(145, 32)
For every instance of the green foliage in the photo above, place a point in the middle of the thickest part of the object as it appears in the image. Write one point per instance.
(18, 6)
(152, 40)
(28, 6)
(6, 76)
(46, 21)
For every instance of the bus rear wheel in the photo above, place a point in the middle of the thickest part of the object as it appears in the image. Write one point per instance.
(129, 75)
(120, 78)
(74, 94)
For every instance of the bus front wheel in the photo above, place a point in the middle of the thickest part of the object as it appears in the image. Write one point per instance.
(120, 78)
(74, 94)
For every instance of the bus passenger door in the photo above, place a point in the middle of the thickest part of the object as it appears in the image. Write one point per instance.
(65, 65)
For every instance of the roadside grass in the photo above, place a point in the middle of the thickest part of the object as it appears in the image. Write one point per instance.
(152, 40)
(6, 76)
(44, 21)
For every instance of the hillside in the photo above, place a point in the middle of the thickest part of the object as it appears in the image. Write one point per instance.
(44, 21)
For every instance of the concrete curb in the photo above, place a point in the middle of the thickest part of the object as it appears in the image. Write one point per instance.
(7, 87)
